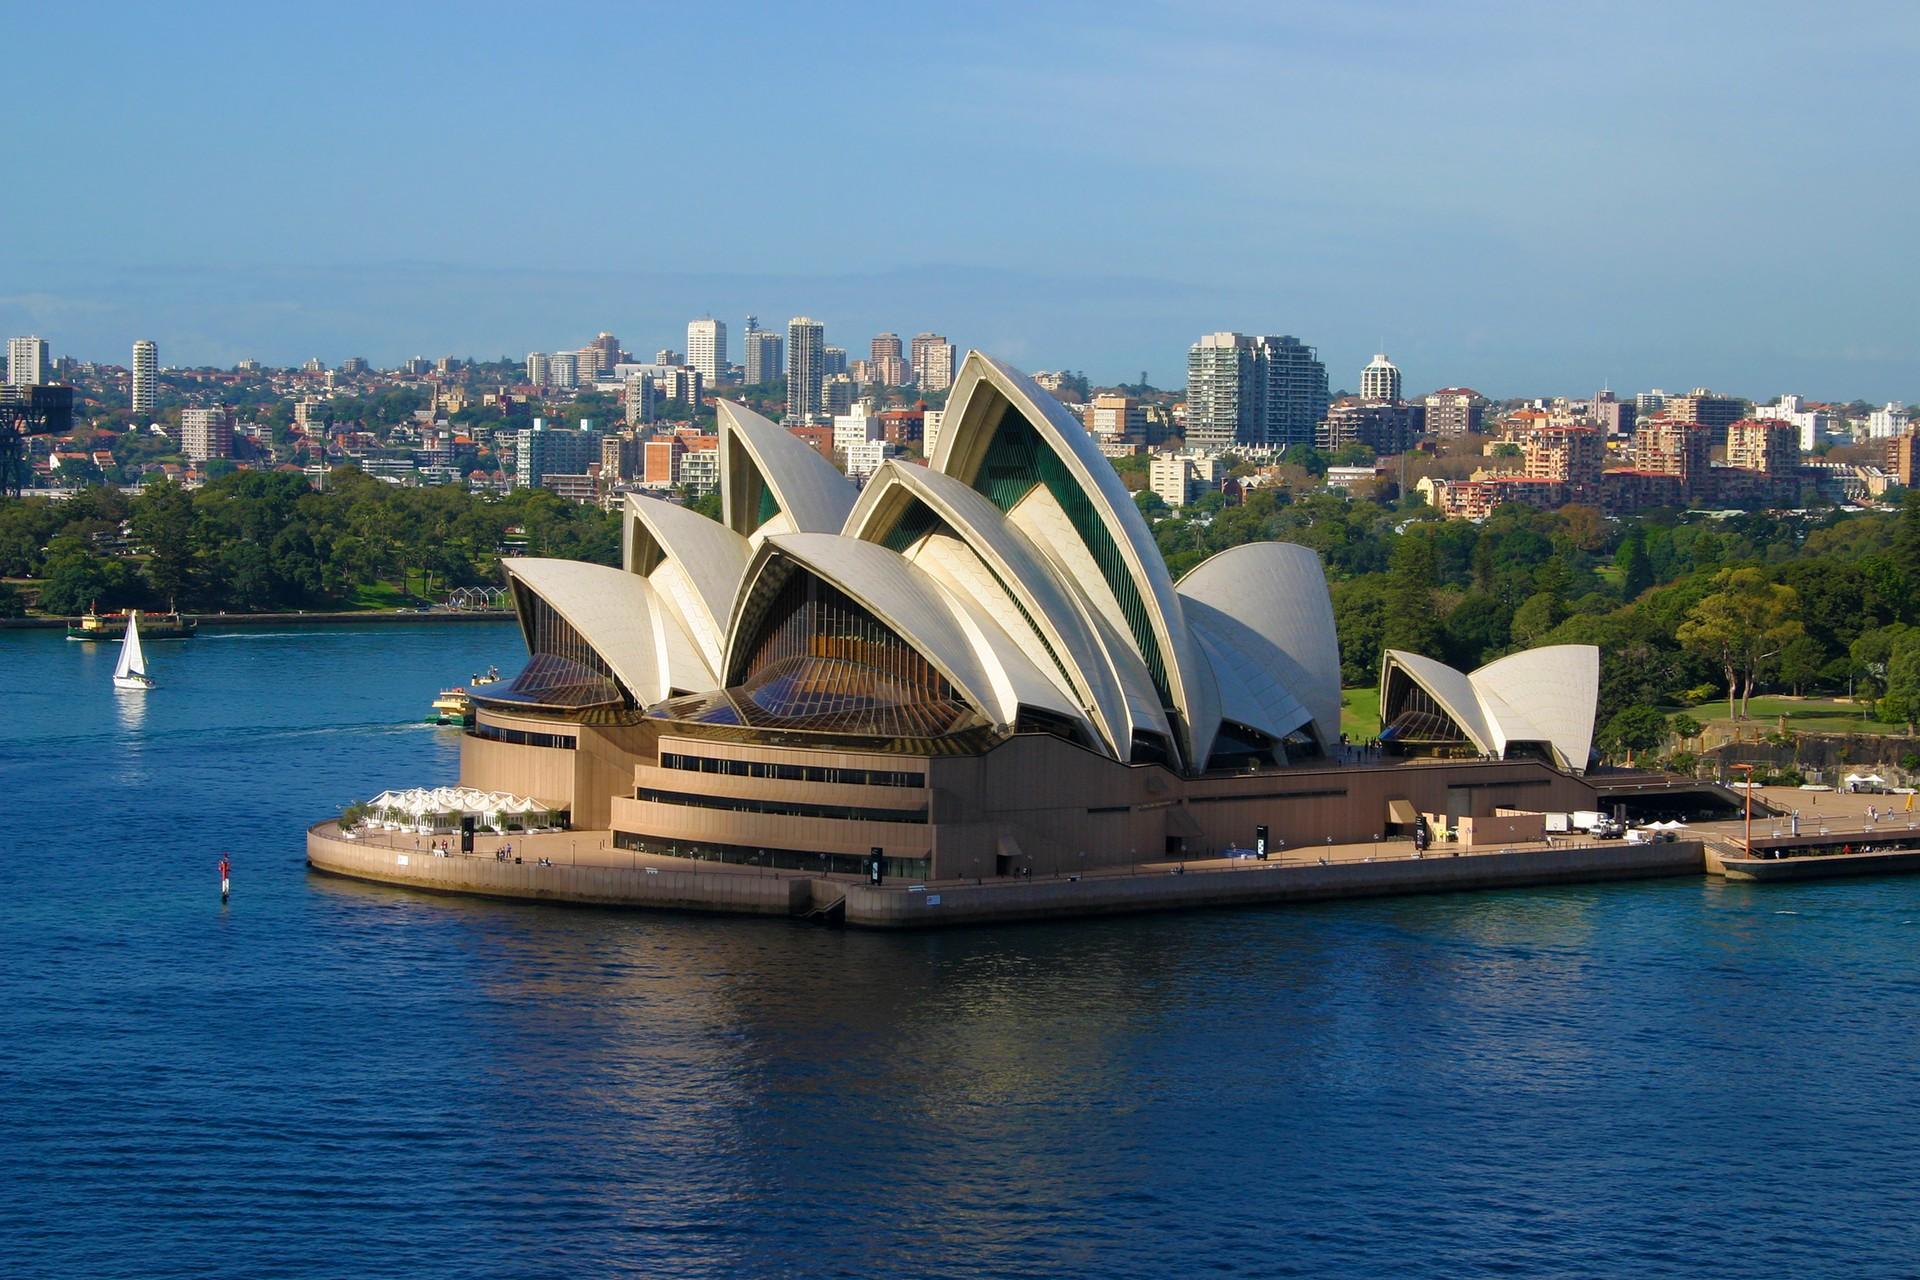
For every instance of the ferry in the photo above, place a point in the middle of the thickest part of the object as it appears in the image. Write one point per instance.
(93, 625)
(453, 706)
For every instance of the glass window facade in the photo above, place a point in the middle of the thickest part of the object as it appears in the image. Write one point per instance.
(822, 662)
(1018, 461)
(792, 772)
(564, 670)
(787, 808)
(523, 737)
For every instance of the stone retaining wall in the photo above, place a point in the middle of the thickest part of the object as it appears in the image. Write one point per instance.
(607, 886)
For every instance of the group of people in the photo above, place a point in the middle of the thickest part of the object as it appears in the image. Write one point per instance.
(504, 853)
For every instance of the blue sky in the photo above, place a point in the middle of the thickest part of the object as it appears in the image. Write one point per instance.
(1525, 197)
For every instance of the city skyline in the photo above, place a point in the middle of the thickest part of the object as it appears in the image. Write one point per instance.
(1417, 212)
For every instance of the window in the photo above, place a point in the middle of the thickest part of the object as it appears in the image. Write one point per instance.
(523, 737)
(793, 772)
(787, 808)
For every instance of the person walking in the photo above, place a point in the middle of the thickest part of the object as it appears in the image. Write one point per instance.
(226, 871)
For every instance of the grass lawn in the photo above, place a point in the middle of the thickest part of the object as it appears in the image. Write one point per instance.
(379, 595)
(1808, 715)
(1360, 712)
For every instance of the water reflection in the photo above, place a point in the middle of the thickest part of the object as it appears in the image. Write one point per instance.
(130, 712)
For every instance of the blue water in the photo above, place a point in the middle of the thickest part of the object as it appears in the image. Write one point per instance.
(330, 1079)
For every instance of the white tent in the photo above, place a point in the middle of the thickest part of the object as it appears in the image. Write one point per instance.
(428, 809)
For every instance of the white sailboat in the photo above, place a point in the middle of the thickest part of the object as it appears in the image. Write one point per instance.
(132, 671)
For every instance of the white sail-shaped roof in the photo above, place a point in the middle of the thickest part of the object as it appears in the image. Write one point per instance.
(1075, 509)
(975, 655)
(1265, 618)
(763, 466)
(623, 618)
(693, 562)
(1545, 695)
(1022, 589)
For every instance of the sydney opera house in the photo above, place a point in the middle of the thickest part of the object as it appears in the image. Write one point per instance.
(978, 667)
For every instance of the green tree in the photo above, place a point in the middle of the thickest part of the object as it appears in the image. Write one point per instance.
(1640, 728)
(1902, 698)
(163, 525)
(1801, 660)
(1741, 626)
(1685, 727)
(1540, 613)
(1411, 622)
(77, 579)
(1634, 565)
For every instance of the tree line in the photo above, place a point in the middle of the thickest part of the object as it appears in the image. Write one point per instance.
(263, 541)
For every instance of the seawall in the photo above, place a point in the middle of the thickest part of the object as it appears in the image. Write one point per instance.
(946, 904)
(227, 621)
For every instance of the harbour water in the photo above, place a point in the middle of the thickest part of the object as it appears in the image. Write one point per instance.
(328, 1079)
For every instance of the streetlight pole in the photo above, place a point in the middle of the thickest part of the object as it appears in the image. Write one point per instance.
(1749, 791)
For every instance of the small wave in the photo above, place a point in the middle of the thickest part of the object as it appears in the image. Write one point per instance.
(264, 635)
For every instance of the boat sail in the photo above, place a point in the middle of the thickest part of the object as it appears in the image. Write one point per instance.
(132, 671)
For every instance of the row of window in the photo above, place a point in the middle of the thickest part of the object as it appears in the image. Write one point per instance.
(851, 864)
(792, 772)
(785, 808)
(522, 737)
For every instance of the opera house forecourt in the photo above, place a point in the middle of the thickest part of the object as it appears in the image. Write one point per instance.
(974, 674)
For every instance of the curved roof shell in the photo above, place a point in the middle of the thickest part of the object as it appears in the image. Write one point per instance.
(976, 657)
(903, 506)
(694, 562)
(1545, 695)
(771, 481)
(1005, 437)
(1263, 614)
(625, 621)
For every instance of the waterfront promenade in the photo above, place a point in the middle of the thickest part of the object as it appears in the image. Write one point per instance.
(584, 867)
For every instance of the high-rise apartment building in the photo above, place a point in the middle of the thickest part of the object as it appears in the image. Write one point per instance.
(1380, 380)
(1385, 426)
(888, 365)
(563, 369)
(1254, 391)
(806, 367)
(1771, 447)
(707, 348)
(1117, 420)
(833, 361)
(539, 374)
(1812, 424)
(1648, 403)
(146, 376)
(541, 451)
(610, 353)
(28, 364)
(1903, 457)
(1454, 411)
(1887, 421)
(1675, 447)
(1702, 406)
(765, 356)
(933, 362)
(206, 433)
(642, 399)
(1573, 456)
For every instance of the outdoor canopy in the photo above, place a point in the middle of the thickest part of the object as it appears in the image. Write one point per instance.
(411, 807)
